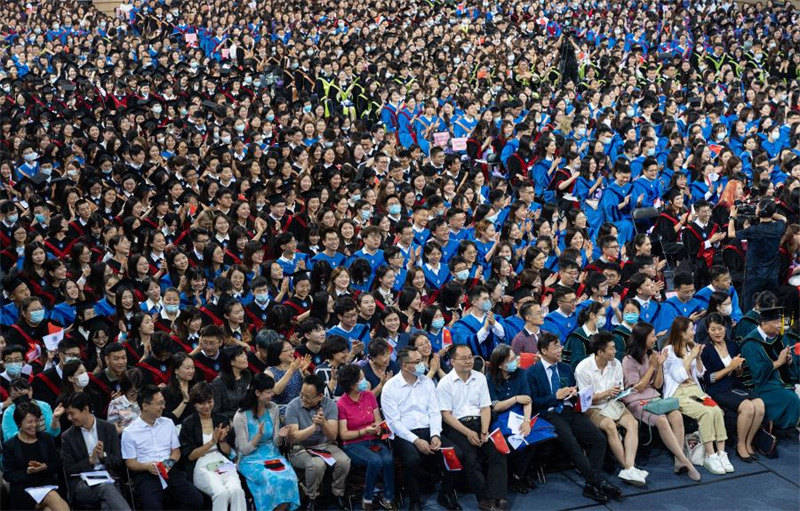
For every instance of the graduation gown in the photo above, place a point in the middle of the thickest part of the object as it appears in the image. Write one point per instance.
(465, 331)
(576, 348)
(613, 195)
(560, 325)
(782, 404)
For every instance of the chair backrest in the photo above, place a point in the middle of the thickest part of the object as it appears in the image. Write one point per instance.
(645, 213)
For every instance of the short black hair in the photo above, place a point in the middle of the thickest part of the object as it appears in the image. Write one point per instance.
(334, 344)
(80, 401)
(600, 340)
(349, 375)
(201, 393)
(25, 408)
(315, 381)
(147, 393)
(545, 340)
(112, 347)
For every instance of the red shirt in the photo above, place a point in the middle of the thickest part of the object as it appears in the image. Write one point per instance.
(358, 415)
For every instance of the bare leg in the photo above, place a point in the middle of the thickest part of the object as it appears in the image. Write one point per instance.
(631, 426)
(609, 427)
(744, 423)
(758, 418)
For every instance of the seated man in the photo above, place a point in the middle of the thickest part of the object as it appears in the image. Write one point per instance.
(313, 422)
(467, 412)
(91, 444)
(413, 414)
(150, 448)
(553, 389)
(602, 372)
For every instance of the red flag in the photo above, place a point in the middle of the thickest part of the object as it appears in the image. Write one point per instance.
(162, 470)
(797, 349)
(527, 359)
(385, 431)
(707, 401)
(715, 148)
(533, 420)
(499, 441)
(447, 338)
(451, 461)
(51, 328)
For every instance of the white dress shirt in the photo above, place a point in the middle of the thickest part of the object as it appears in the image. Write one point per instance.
(149, 444)
(90, 439)
(587, 374)
(463, 398)
(409, 406)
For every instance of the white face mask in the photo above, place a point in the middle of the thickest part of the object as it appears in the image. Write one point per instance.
(82, 380)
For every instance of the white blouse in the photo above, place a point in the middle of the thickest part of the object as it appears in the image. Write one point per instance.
(675, 373)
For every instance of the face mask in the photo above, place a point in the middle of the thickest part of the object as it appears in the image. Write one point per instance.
(307, 109)
(651, 151)
(512, 366)
(462, 275)
(355, 197)
(157, 110)
(239, 128)
(725, 310)
(225, 140)
(40, 218)
(14, 369)
(261, 298)
(486, 305)
(713, 177)
(437, 323)
(366, 214)
(630, 111)
(363, 385)
(720, 136)
(270, 117)
(37, 316)
(82, 380)
(419, 369)
(31, 156)
(774, 136)
(600, 322)
(395, 209)
(171, 308)
(12, 219)
(630, 317)
(581, 132)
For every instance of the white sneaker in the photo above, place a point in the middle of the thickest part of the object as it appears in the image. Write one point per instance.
(642, 473)
(630, 476)
(725, 462)
(713, 464)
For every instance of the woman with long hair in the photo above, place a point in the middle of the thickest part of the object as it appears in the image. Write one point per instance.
(643, 371)
(683, 368)
(232, 382)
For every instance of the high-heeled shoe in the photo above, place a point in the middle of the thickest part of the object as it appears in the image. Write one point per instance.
(746, 459)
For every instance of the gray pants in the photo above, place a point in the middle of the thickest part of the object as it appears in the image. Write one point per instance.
(103, 496)
(315, 467)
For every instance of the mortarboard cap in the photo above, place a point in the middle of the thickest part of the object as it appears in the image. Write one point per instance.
(771, 314)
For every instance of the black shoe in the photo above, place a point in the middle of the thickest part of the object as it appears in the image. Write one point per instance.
(311, 505)
(486, 505)
(591, 491)
(530, 481)
(613, 492)
(501, 504)
(518, 486)
(448, 501)
(415, 505)
(342, 504)
(746, 459)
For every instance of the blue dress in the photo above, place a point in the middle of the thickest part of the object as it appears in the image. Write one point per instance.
(269, 488)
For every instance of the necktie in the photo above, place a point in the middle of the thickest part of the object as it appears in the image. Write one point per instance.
(555, 384)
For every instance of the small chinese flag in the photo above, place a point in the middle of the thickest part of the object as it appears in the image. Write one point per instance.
(499, 441)
(707, 401)
(797, 349)
(447, 338)
(51, 328)
(451, 461)
(162, 470)
(527, 359)
(533, 420)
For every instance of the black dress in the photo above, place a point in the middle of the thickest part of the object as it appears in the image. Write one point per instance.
(728, 392)
(16, 456)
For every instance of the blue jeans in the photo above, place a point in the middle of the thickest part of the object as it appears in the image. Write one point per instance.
(361, 454)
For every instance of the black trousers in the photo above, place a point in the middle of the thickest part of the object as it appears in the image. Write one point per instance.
(494, 485)
(415, 464)
(576, 433)
(181, 492)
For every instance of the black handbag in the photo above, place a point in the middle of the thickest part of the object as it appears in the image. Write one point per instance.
(765, 442)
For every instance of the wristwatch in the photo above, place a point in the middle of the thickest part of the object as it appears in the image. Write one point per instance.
(169, 463)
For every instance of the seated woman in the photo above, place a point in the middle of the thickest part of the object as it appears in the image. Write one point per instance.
(720, 303)
(176, 393)
(723, 364)
(270, 477)
(508, 388)
(232, 382)
(124, 409)
(683, 367)
(286, 370)
(359, 429)
(435, 367)
(30, 460)
(205, 449)
(576, 347)
(643, 370)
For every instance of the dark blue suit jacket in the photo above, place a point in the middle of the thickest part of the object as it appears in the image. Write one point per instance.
(539, 383)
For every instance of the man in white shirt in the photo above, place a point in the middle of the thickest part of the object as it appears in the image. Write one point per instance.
(467, 412)
(413, 414)
(91, 444)
(150, 444)
(602, 372)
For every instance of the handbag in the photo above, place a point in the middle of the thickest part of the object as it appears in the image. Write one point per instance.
(765, 442)
(661, 406)
(693, 447)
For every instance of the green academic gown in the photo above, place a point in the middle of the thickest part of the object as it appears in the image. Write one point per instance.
(782, 404)
(621, 335)
(576, 348)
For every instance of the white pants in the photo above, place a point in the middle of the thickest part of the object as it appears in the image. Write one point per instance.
(224, 489)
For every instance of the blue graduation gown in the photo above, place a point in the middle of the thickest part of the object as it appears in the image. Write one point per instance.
(613, 195)
(671, 309)
(436, 279)
(360, 332)
(560, 325)
(704, 295)
(465, 331)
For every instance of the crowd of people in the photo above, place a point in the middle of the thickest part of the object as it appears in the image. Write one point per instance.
(244, 245)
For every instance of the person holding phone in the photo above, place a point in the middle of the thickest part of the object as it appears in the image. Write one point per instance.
(683, 369)
(602, 373)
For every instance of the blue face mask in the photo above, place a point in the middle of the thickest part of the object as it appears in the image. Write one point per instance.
(14, 369)
(512, 366)
(171, 308)
(437, 323)
(395, 209)
(366, 214)
(261, 298)
(630, 317)
(37, 316)
(462, 275)
(419, 369)
(363, 385)
(486, 306)
(40, 218)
